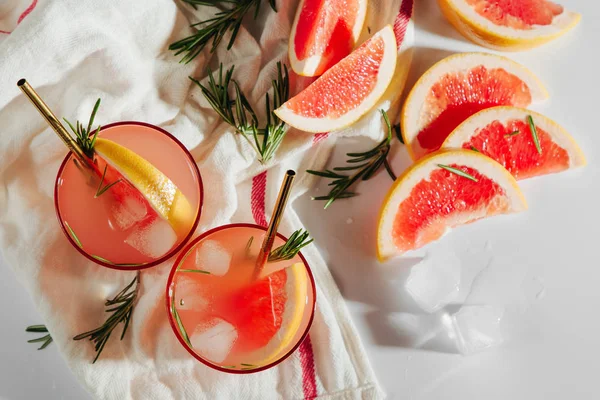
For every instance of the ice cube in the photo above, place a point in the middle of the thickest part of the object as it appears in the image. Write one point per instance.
(213, 257)
(214, 340)
(188, 295)
(152, 238)
(435, 281)
(127, 213)
(477, 328)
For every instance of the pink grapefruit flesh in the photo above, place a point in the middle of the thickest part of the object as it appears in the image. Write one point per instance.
(458, 95)
(352, 83)
(517, 14)
(423, 216)
(324, 29)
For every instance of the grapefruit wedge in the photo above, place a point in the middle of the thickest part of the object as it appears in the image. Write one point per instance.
(348, 90)
(509, 24)
(441, 191)
(324, 32)
(506, 135)
(160, 192)
(456, 88)
(270, 313)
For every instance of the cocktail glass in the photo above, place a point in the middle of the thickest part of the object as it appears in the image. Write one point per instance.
(227, 318)
(119, 229)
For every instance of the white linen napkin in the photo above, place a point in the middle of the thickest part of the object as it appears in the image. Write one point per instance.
(74, 51)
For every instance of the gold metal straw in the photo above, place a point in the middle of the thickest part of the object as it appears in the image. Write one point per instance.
(267, 245)
(52, 120)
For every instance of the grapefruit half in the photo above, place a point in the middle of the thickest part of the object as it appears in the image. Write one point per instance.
(439, 192)
(505, 134)
(456, 88)
(348, 90)
(324, 32)
(509, 24)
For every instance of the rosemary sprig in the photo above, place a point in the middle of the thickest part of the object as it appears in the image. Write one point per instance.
(239, 113)
(534, 134)
(458, 172)
(291, 248)
(101, 190)
(121, 307)
(82, 134)
(47, 339)
(366, 164)
(215, 28)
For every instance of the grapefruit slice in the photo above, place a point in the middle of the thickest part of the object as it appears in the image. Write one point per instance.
(346, 91)
(505, 134)
(265, 315)
(160, 192)
(439, 192)
(456, 88)
(323, 33)
(270, 313)
(509, 24)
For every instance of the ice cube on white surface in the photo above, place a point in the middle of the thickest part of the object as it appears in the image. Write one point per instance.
(435, 281)
(128, 213)
(211, 256)
(152, 238)
(188, 295)
(477, 328)
(214, 340)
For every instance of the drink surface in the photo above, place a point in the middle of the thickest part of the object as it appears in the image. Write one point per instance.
(119, 226)
(232, 320)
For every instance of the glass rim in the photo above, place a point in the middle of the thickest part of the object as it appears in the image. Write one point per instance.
(171, 253)
(168, 297)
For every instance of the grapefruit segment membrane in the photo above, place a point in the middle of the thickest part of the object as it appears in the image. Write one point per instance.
(346, 91)
(509, 25)
(441, 191)
(505, 134)
(456, 88)
(323, 33)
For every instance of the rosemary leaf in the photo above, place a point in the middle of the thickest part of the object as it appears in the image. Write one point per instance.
(474, 149)
(46, 339)
(458, 172)
(198, 271)
(534, 134)
(101, 190)
(73, 235)
(512, 134)
(182, 330)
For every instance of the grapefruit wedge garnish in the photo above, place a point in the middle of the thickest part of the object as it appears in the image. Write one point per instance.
(441, 191)
(456, 88)
(348, 90)
(270, 313)
(262, 318)
(509, 24)
(506, 134)
(323, 33)
(160, 192)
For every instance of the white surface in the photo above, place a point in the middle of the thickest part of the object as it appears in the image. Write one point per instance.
(546, 257)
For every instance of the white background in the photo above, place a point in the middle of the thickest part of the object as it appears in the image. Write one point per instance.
(544, 262)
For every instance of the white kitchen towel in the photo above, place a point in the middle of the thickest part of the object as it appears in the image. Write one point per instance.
(74, 51)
